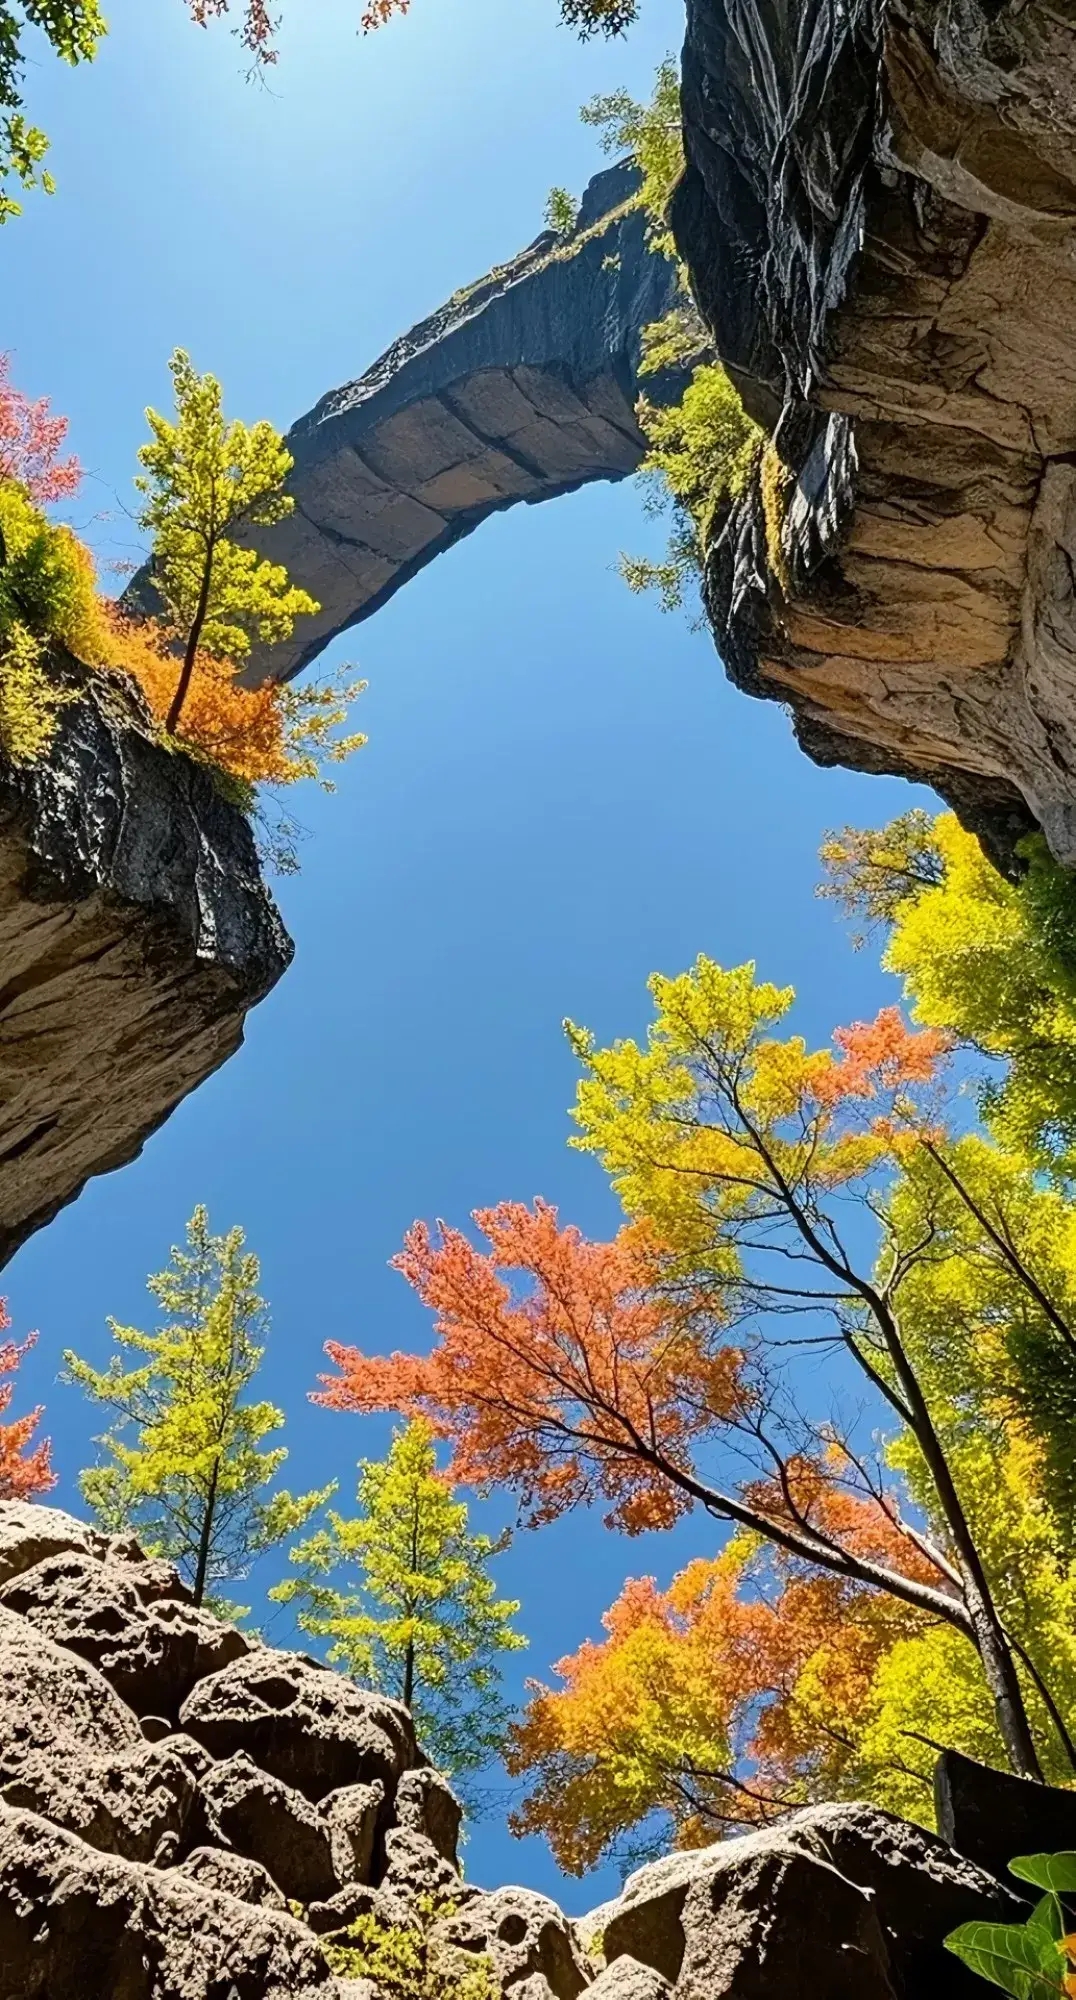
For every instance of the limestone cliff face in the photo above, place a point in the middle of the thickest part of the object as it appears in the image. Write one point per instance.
(879, 215)
(135, 933)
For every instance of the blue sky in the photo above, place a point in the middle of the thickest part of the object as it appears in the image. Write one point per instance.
(560, 794)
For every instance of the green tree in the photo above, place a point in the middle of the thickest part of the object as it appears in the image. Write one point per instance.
(417, 1614)
(561, 210)
(204, 481)
(185, 1465)
(73, 29)
(993, 961)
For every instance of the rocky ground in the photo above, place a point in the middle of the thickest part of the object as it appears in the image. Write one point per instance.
(189, 1814)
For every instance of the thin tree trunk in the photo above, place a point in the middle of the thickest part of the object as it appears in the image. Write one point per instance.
(1002, 1679)
(409, 1674)
(191, 650)
(205, 1539)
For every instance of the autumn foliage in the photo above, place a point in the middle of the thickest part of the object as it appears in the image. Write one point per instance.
(584, 1386)
(25, 1467)
(31, 439)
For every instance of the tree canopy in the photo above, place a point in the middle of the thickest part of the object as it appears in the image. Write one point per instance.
(185, 1463)
(876, 1590)
(416, 1612)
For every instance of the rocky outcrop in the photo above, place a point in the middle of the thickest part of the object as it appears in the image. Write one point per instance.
(229, 1856)
(879, 216)
(523, 386)
(135, 933)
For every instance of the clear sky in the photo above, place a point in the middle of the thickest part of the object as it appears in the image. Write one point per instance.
(561, 793)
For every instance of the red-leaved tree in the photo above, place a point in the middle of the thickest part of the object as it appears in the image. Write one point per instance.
(650, 1373)
(30, 442)
(25, 1467)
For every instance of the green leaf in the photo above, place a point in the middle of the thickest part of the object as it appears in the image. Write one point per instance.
(1056, 1872)
(1048, 1919)
(1016, 1957)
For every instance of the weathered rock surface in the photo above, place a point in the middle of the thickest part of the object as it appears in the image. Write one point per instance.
(140, 1803)
(701, 1918)
(301, 1722)
(76, 1923)
(152, 1653)
(992, 1816)
(425, 1804)
(521, 387)
(271, 1823)
(233, 1875)
(208, 1864)
(883, 240)
(135, 933)
(526, 1938)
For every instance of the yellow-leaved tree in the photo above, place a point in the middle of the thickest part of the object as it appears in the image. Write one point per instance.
(204, 481)
(184, 1459)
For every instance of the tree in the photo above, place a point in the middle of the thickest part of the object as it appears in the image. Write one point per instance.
(417, 1614)
(184, 1464)
(561, 211)
(257, 26)
(990, 960)
(652, 1372)
(25, 1467)
(30, 442)
(204, 481)
(73, 29)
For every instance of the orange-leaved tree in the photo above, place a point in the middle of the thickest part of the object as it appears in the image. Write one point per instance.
(724, 1700)
(25, 1466)
(784, 1203)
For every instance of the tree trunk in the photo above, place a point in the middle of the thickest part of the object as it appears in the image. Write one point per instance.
(191, 650)
(206, 1537)
(409, 1674)
(1002, 1679)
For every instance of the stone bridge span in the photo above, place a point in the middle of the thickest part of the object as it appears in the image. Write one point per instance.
(521, 387)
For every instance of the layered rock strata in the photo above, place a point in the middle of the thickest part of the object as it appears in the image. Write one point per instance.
(135, 934)
(879, 216)
(189, 1814)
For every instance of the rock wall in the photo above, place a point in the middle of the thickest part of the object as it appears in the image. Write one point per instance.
(187, 1813)
(879, 215)
(135, 932)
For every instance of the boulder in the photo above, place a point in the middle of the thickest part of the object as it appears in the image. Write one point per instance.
(55, 1710)
(425, 1804)
(29, 1534)
(415, 1870)
(781, 1923)
(139, 1803)
(992, 1816)
(233, 1875)
(78, 1925)
(352, 1815)
(155, 1577)
(918, 1888)
(152, 1652)
(272, 1823)
(306, 1725)
(358, 1899)
(626, 1979)
(524, 1935)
